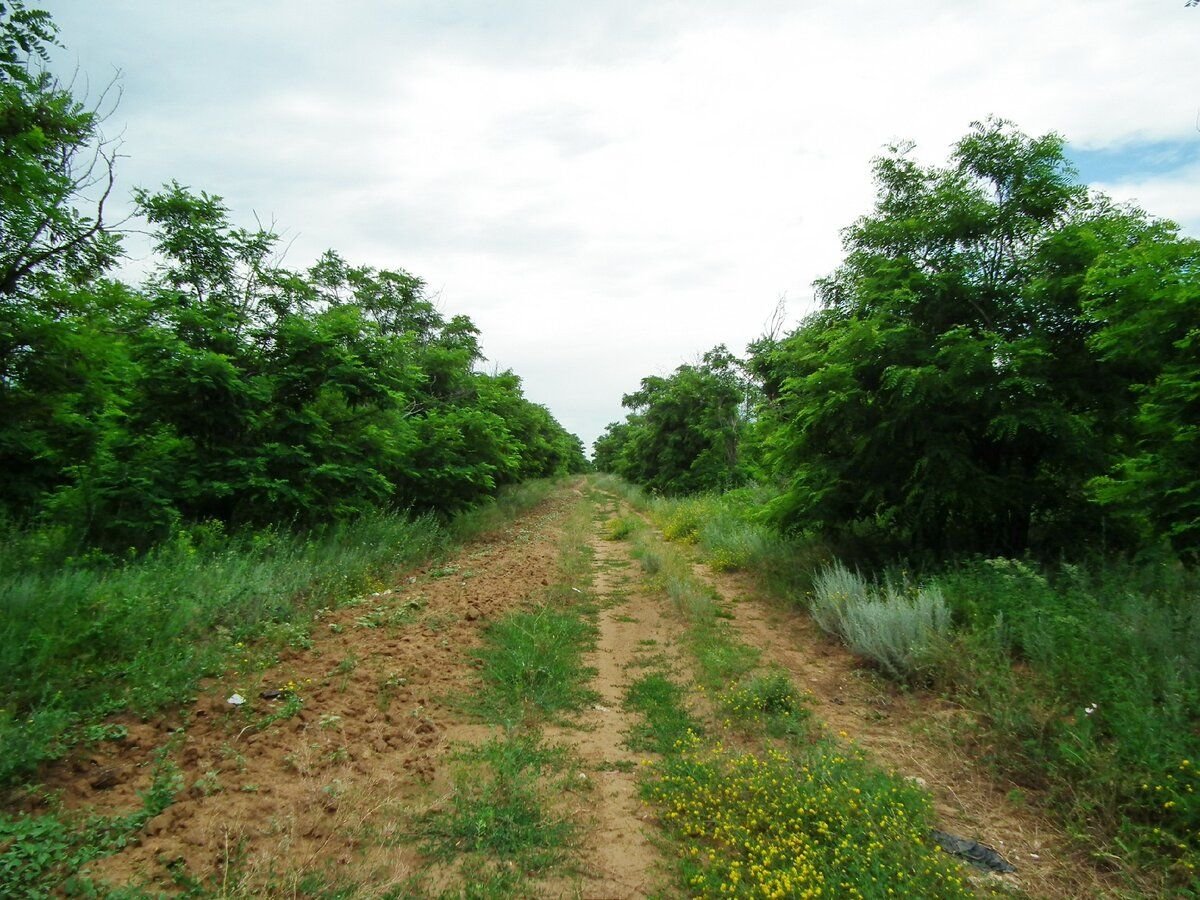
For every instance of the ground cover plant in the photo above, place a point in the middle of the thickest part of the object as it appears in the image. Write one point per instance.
(895, 626)
(1087, 685)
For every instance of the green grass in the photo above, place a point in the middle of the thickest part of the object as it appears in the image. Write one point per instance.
(1085, 685)
(83, 642)
(41, 853)
(502, 805)
(532, 665)
(665, 720)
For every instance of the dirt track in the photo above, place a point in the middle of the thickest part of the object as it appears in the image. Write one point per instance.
(334, 788)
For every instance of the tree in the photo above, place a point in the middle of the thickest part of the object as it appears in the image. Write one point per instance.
(53, 161)
(683, 433)
(946, 398)
(1145, 295)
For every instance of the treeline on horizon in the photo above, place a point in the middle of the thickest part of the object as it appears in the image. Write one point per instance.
(225, 388)
(1005, 363)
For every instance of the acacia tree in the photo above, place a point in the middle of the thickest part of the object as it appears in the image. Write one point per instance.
(945, 398)
(1145, 295)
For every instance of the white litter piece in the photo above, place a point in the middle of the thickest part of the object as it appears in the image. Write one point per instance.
(237, 700)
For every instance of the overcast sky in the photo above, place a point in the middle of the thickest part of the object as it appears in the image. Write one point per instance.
(611, 188)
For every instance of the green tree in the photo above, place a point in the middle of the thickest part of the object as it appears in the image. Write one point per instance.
(946, 399)
(683, 433)
(53, 162)
(1145, 295)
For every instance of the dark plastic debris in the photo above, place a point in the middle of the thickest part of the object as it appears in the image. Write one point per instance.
(979, 855)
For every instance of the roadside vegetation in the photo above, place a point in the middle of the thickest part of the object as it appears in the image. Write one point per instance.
(88, 650)
(976, 464)
(1080, 679)
(757, 799)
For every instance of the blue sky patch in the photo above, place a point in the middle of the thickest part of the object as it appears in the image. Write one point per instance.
(1135, 161)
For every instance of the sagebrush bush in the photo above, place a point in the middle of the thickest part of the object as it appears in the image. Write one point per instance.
(892, 626)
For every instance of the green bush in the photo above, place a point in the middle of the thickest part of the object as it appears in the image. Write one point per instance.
(1102, 711)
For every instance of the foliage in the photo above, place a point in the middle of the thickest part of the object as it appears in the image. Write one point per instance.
(52, 160)
(1101, 712)
(226, 387)
(776, 826)
(946, 398)
(684, 432)
(1145, 298)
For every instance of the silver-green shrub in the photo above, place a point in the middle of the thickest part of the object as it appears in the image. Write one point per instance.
(893, 627)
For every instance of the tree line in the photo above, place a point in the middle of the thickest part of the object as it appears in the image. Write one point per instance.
(1005, 362)
(225, 387)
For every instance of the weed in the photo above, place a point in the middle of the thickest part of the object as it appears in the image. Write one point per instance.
(621, 527)
(665, 719)
(500, 805)
(894, 627)
(769, 701)
(772, 825)
(532, 661)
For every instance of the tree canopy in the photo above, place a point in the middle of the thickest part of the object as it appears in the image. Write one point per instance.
(226, 386)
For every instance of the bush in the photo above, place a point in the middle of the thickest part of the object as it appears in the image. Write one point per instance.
(893, 627)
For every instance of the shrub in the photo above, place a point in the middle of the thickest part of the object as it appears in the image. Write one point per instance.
(893, 627)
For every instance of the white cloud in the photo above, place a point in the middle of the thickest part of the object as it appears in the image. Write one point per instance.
(611, 188)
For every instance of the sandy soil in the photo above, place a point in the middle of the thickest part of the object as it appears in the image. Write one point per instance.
(619, 858)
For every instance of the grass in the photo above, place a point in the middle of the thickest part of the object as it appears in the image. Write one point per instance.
(1085, 685)
(41, 853)
(504, 818)
(531, 665)
(1082, 682)
(665, 718)
(81, 643)
(84, 640)
(502, 805)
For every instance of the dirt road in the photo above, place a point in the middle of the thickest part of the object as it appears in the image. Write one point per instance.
(318, 783)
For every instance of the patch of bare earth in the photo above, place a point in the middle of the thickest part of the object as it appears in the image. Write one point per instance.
(617, 857)
(906, 732)
(264, 802)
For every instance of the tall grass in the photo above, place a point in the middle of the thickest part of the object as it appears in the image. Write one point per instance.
(1086, 683)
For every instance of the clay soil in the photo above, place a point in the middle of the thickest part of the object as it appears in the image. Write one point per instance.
(265, 801)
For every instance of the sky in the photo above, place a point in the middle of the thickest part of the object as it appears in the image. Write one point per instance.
(609, 189)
